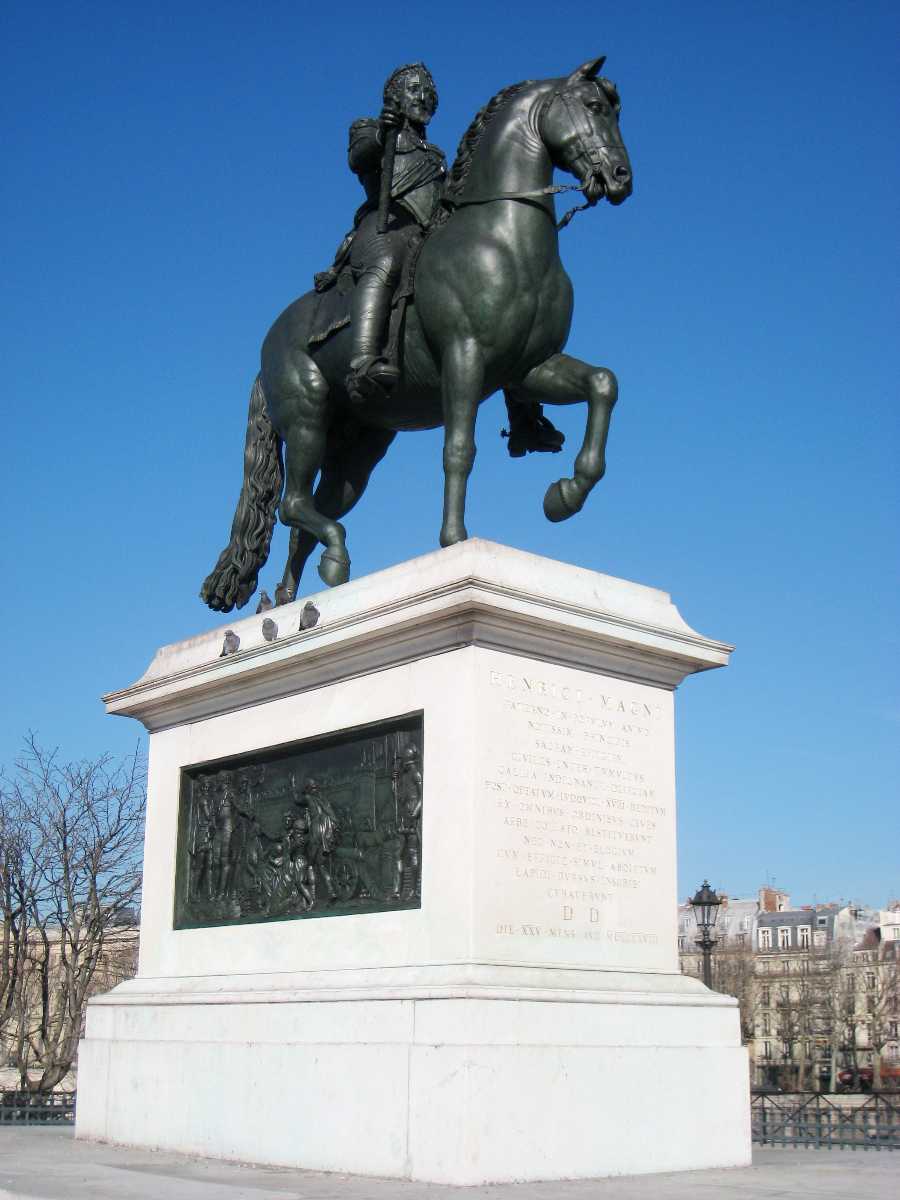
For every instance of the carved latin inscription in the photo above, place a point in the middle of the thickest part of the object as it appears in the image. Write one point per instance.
(577, 796)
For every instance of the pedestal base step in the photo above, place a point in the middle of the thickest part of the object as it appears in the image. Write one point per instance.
(462, 1091)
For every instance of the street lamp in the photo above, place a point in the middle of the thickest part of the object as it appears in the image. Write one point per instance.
(706, 910)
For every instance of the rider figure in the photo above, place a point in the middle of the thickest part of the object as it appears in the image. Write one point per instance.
(377, 259)
(410, 100)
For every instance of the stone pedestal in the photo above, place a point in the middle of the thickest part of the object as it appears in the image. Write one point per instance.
(528, 1021)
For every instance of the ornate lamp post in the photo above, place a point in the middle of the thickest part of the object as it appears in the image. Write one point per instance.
(706, 910)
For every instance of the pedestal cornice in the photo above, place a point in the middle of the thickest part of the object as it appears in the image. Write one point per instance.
(475, 594)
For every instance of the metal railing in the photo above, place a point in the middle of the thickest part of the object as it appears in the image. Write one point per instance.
(811, 1119)
(32, 1108)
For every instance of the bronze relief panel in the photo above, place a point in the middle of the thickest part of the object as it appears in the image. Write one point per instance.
(318, 828)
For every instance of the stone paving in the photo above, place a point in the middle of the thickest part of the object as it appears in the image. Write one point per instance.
(48, 1164)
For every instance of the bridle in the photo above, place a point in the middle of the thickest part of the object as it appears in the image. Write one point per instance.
(537, 194)
(585, 148)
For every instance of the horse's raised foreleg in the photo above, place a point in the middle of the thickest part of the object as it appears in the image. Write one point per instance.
(565, 380)
(345, 473)
(462, 375)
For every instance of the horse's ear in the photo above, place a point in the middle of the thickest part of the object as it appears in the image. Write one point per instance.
(588, 70)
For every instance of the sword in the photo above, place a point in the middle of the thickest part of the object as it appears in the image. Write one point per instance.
(387, 178)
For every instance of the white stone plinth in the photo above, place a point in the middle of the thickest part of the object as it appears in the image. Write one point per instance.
(529, 1020)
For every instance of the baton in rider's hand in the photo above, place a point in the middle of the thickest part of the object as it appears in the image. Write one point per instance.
(390, 121)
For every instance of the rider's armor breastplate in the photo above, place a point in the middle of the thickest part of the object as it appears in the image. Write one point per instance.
(419, 169)
(419, 173)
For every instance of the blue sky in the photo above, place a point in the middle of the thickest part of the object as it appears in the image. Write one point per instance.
(172, 177)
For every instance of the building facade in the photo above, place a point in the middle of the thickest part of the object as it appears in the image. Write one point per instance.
(817, 985)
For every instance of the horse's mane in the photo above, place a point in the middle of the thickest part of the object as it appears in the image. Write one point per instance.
(470, 139)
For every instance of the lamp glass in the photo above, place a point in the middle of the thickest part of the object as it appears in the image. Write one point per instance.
(706, 906)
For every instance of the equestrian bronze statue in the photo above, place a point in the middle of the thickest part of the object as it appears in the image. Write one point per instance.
(448, 288)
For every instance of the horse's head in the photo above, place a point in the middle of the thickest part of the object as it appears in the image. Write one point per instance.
(579, 125)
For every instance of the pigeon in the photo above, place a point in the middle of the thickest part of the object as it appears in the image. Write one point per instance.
(265, 602)
(231, 644)
(309, 615)
(269, 630)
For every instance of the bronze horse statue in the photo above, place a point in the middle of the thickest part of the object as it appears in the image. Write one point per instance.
(492, 309)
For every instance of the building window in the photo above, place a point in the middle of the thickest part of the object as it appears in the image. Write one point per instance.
(766, 1023)
(870, 980)
(819, 937)
(784, 937)
(892, 1029)
(765, 939)
(767, 1049)
(681, 941)
(766, 1000)
(803, 933)
(822, 922)
(895, 933)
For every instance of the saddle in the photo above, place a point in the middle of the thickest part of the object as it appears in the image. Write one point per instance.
(529, 430)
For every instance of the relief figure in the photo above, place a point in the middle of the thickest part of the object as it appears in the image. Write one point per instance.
(408, 792)
(324, 829)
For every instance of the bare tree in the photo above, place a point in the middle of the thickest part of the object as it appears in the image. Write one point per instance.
(70, 858)
(828, 998)
(17, 882)
(734, 974)
(808, 1001)
(882, 1004)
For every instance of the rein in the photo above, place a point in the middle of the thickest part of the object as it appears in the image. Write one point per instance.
(538, 194)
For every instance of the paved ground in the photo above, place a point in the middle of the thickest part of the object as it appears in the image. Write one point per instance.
(48, 1164)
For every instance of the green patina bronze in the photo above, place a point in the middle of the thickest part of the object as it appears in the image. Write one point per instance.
(448, 288)
(316, 829)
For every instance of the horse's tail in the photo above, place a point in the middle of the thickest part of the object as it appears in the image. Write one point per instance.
(233, 580)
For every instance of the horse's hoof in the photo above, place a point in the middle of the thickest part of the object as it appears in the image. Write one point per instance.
(449, 537)
(333, 570)
(562, 500)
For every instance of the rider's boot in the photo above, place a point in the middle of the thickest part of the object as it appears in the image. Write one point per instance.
(529, 430)
(371, 376)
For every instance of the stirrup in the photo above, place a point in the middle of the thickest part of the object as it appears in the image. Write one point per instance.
(371, 378)
(534, 435)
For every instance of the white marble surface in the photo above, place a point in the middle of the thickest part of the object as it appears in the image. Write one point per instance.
(475, 593)
(485, 1035)
(548, 829)
(575, 828)
(453, 1091)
